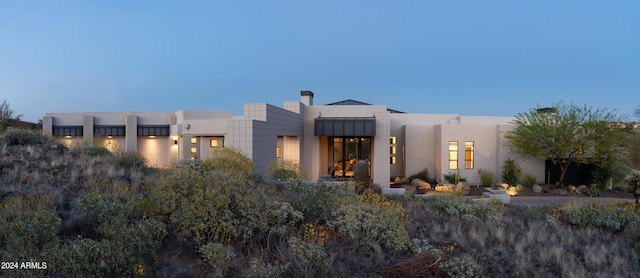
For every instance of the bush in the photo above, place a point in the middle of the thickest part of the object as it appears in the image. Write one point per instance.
(528, 180)
(633, 180)
(591, 191)
(461, 267)
(511, 172)
(306, 259)
(129, 159)
(486, 177)
(315, 200)
(283, 169)
(609, 216)
(221, 257)
(23, 137)
(454, 177)
(371, 222)
(423, 175)
(230, 161)
(90, 151)
(464, 207)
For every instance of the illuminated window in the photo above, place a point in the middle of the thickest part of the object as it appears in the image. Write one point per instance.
(278, 152)
(392, 149)
(194, 150)
(194, 140)
(468, 155)
(214, 142)
(453, 155)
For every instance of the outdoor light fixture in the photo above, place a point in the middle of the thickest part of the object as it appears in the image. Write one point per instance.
(175, 142)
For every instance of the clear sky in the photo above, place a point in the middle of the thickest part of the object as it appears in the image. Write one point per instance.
(460, 57)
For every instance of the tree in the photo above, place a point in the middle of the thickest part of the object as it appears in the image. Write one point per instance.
(566, 133)
(6, 116)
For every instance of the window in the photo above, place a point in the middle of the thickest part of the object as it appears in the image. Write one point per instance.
(194, 150)
(392, 149)
(468, 155)
(194, 140)
(278, 152)
(453, 155)
(213, 143)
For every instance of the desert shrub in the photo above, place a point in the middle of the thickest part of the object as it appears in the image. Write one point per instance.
(591, 191)
(221, 257)
(461, 267)
(261, 269)
(633, 180)
(129, 159)
(32, 228)
(632, 234)
(371, 222)
(528, 180)
(610, 216)
(23, 137)
(90, 151)
(99, 207)
(486, 177)
(305, 259)
(314, 200)
(283, 169)
(454, 177)
(423, 175)
(511, 172)
(230, 161)
(466, 208)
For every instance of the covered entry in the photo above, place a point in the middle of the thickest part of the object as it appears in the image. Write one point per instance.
(343, 142)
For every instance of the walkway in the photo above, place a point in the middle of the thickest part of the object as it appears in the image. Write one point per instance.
(549, 200)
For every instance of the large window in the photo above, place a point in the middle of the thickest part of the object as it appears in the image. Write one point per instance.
(348, 150)
(468, 155)
(453, 155)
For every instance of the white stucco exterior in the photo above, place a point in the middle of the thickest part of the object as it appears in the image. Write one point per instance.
(395, 144)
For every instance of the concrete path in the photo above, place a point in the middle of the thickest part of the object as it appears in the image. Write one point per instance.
(549, 200)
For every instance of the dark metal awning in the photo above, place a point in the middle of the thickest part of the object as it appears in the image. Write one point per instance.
(339, 127)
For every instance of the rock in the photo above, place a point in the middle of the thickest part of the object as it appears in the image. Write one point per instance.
(581, 189)
(572, 188)
(504, 185)
(536, 188)
(376, 188)
(420, 184)
(560, 191)
(462, 187)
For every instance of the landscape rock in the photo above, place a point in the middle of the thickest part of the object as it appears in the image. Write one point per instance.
(536, 188)
(560, 191)
(420, 184)
(504, 185)
(462, 187)
(376, 188)
(581, 189)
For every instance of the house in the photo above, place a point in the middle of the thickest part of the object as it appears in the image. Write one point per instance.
(325, 139)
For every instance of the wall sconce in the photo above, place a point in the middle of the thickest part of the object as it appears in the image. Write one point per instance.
(175, 142)
(188, 126)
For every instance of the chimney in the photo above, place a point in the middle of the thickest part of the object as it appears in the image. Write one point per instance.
(306, 97)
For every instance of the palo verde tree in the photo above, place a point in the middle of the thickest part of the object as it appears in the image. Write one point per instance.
(566, 133)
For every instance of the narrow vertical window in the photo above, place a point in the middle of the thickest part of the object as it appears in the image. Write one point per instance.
(468, 155)
(453, 155)
(392, 149)
(213, 143)
(278, 152)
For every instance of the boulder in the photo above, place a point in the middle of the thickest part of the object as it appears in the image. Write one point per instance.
(560, 191)
(462, 187)
(375, 188)
(504, 185)
(536, 188)
(420, 184)
(581, 189)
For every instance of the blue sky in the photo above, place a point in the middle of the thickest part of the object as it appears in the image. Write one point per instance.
(461, 57)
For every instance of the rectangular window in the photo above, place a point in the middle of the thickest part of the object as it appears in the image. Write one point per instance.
(278, 152)
(392, 149)
(213, 143)
(468, 155)
(194, 140)
(453, 155)
(194, 150)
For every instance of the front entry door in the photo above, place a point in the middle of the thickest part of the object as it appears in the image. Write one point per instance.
(348, 150)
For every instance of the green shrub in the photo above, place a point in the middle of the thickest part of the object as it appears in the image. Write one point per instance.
(633, 180)
(230, 161)
(511, 172)
(466, 208)
(90, 151)
(306, 259)
(261, 269)
(129, 159)
(528, 180)
(461, 267)
(454, 177)
(23, 137)
(315, 200)
(632, 234)
(423, 175)
(486, 177)
(591, 191)
(371, 222)
(610, 216)
(283, 169)
(221, 257)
